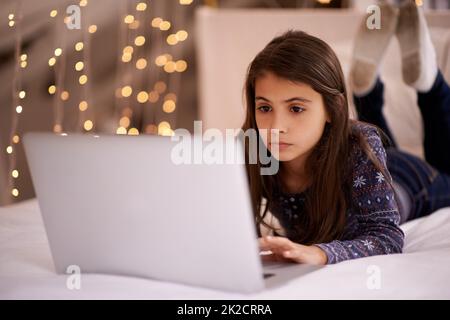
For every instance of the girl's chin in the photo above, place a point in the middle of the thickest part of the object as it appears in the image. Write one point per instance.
(284, 156)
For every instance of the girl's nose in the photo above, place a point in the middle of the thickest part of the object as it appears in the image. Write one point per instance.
(279, 124)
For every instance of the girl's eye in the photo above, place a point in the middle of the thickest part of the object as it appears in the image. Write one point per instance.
(297, 109)
(264, 109)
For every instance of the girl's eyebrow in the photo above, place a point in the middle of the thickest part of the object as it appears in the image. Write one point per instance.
(288, 100)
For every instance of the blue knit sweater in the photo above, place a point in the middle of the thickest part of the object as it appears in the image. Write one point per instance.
(373, 218)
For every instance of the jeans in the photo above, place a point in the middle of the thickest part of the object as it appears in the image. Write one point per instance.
(426, 182)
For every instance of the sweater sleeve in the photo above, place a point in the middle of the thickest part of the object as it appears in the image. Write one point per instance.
(376, 212)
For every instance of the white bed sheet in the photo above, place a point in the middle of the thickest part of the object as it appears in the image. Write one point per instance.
(422, 271)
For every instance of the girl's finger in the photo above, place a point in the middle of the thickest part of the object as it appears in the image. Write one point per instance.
(263, 244)
(280, 242)
(273, 257)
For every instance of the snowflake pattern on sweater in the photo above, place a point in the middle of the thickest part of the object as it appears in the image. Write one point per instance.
(372, 226)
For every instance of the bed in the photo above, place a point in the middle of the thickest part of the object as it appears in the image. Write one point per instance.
(421, 272)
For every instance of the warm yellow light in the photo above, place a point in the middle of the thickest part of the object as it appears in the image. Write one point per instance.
(11, 16)
(181, 66)
(83, 105)
(19, 109)
(16, 139)
(142, 97)
(181, 35)
(52, 89)
(83, 79)
(164, 124)
(79, 46)
(185, 2)
(156, 22)
(141, 6)
(11, 23)
(124, 122)
(133, 132)
(165, 25)
(160, 86)
(127, 91)
(83, 3)
(92, 28)
(9, 149)
(172, 39)
(121, 130)
(160, 61)
(58, 52)
(153, 96)
(53, 13)
(65, 95)
(126, 57)
(57, 128)
(141, 64)
(164, 129)
(23, 57)
(22, 94)
(15, 174)
(88, 125)
(23, 64)
(169, 67)
(51, 61)
(139, 41)
(169, 106)
(15, 192)
(128, 49)
(129, 19)
(79, 66)
(419, 3)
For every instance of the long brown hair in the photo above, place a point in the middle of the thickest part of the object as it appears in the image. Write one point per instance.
(299, 57)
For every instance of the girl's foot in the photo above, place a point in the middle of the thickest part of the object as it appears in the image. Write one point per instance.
(419, 66)
(370, 45)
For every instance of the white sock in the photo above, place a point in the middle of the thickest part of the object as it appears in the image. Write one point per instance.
(369, 48)
(429, 68)
(419, 66)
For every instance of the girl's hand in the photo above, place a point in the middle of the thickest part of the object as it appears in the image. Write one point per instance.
(284, 249)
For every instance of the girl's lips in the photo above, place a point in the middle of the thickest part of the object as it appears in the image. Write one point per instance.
(281, 146)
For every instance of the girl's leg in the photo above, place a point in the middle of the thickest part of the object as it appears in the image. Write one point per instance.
(428, 189)
(369, 48)
(434, 106)
(370, 108)
(420, 71)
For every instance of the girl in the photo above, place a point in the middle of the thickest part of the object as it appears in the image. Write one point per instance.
(339, 194)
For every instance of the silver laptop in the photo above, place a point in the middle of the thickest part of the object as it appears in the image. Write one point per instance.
(120, 205)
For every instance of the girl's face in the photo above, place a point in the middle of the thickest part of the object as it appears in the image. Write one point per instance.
(295, 109)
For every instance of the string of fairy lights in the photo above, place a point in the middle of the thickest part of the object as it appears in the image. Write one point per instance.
(148, 74)
(81, 66)
(18, 97)
(132, 90)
